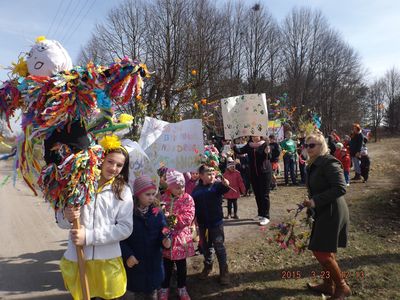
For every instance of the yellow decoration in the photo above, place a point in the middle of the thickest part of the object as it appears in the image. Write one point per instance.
(110, 142)
(125, 118)
(196, 106)
(20, 68)
(40, 39)
(194, 72)
(203, 101)
(138, 97)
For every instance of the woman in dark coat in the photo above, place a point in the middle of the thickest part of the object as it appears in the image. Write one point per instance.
(326, 187)
(257, 152)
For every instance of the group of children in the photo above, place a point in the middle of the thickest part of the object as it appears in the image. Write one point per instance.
(132, 242)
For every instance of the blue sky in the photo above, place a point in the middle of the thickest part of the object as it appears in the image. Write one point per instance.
(370, 27)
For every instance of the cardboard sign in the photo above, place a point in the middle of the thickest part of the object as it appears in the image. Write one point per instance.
(173, 145)
(245, 115)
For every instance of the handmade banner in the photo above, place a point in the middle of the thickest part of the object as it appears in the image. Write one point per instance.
(173, 145)
(275, 127)
(245, 115)
(139, 163)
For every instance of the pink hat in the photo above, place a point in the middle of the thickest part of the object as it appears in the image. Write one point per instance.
(175, 178)
(143, 184)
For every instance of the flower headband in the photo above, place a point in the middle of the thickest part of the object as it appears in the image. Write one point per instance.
(111, 142)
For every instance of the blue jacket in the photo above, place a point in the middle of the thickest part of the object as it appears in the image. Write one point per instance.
(208, 204)
(145, 243)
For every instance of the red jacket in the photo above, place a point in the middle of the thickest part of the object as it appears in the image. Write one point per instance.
(345, 159)
(235, 182)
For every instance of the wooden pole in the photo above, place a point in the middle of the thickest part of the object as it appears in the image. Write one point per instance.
(81, 264)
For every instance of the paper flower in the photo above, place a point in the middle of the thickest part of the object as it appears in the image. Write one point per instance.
(110, 142)
(125, 119)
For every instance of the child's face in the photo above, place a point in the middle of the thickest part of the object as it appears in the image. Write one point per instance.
(163, 180)
(194, 175)
(231, 168)
(147, 198)
(112, 165)
(177, 190)
(207, 177)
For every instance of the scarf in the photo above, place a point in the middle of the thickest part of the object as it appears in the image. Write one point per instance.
(256, 145)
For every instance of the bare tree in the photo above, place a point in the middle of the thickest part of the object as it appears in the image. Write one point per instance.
(374, 106)
(392, 92)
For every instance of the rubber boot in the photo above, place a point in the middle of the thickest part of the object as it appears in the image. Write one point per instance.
(224, 275)
(206, 271)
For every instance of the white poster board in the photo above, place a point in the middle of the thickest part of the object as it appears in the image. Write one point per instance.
(139, 163)
(245, 115)
(173, 145)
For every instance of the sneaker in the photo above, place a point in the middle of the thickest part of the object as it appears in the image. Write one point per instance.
(264, 221)
(347, 184)
(236, 217)
(257, 218)
(163, 294)
(183, 294)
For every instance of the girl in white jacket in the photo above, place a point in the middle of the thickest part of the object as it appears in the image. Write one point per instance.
(104, 223)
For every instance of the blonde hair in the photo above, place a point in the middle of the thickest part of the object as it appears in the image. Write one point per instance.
(319, 138)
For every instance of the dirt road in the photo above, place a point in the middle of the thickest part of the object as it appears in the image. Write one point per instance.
(31, 244)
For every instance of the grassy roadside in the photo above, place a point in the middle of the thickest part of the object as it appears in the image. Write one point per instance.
(371, 262)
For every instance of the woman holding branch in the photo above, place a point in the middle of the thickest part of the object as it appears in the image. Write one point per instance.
(104, 223)
(326, 188)
(257, 151)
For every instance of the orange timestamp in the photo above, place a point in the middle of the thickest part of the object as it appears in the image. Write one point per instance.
(295, 274)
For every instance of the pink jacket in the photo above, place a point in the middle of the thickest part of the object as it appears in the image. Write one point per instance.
(235, 182)
(182, 242)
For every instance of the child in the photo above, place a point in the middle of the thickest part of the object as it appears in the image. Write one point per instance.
(344, 156)
(236, 182)
(208, 201)
(365, 163)
(275, 153)
(162, 174)
(191, 179)
(142, 250)
(179, 207)
(104, 223)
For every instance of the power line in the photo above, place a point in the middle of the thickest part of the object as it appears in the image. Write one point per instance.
(76, 28)
(62, 18)
(75, 19)
(55, 17)
(68, 24)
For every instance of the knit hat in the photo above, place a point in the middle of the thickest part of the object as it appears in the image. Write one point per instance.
(175, 178)
(364, 151)
(231, 164)
(143, 184)
(339, 145)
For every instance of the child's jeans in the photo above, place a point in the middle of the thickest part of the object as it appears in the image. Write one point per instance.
(213, 237)
(232, 202)
(181, 271)
(346, 176)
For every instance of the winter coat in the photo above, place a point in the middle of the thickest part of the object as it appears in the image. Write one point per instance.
(145, 244)
(275, 152)
(326, 186)
(107, 221)
(208, 201)
(258, 160)
(182, 241)
(344, 157)
(236, 182)
(356, 143)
